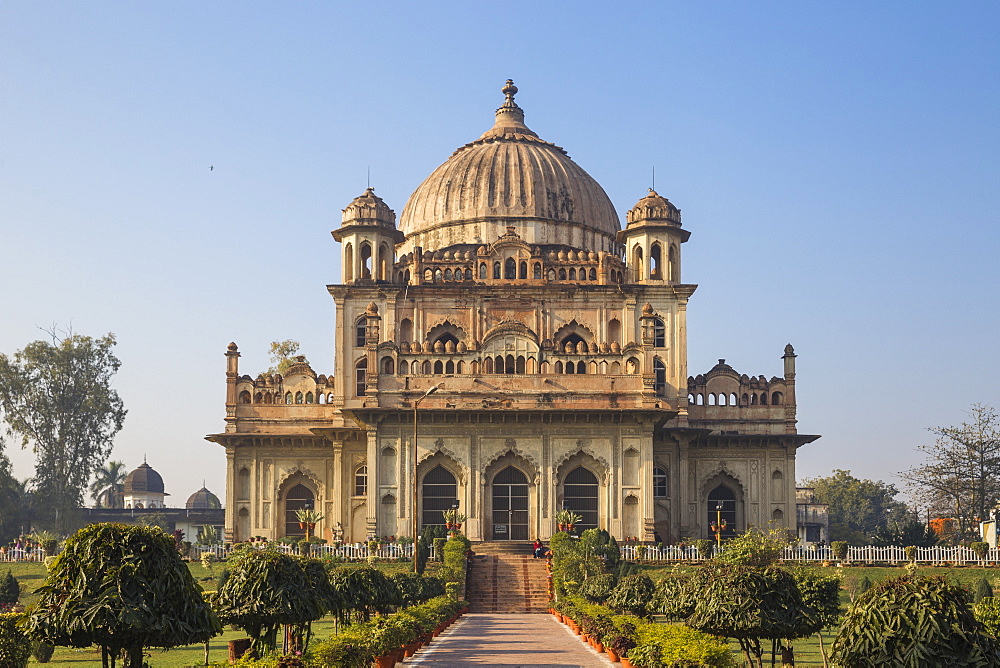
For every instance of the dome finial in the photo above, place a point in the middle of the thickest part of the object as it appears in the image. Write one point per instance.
(510, 90)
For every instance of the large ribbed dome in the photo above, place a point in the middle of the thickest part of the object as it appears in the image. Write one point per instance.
(144, 479)
(506, 177)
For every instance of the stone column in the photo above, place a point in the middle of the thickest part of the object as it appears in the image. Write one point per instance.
(372, 502)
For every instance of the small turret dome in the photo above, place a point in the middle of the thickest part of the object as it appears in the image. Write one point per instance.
(203, 500)
(654, 208)
(369, 209)
(144, 479)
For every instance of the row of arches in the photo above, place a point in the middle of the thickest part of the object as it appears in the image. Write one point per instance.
(746, 399)
(508, 271)
(289, 398)
(362, 263)
(656, 269)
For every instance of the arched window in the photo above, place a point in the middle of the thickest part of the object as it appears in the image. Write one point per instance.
(439, 493)
(722, 398)
(777, 515)
(360, 378)
(449, 367)
(581, 367)
(711, 399)
(438, 368)
(510, 269)
(562, 274)
(508, 364)
(637, 263)
(244, 397)
(580, 496)
(405, 330)
(776, 398)
(522, 270)
(763, 398)
(288, 397)
(468, 273)
(388, 366)
(655, 259)
(447, 274)
(349, 262)
(382, 270)
(722, 501)
(615, 331)
(361, 332)
(571, 367)
(320, 398)
(366, 260)
(659, 333)
(496, 270)
(572, 274)
(309, 397)
(593, 274)
(659, 483)
(488, 365)
(482, 270)
(519, 364)
(660, 378)
(438, 275)
(498, 365)
(536, 271)
(243, 484)
(551, 275)
(258, 398)
(460, 367)
(732, 399)
(559, 367)
(777, 486)
(404, 367)
(298, 497)
(361, 480)
(299, 398)
(753, 398)
(672, 264)
(745, 400)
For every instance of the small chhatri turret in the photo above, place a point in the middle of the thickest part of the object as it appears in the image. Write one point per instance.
(368, 232)
(652, 240)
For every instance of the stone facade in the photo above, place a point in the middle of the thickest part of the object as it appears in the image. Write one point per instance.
(538, 350)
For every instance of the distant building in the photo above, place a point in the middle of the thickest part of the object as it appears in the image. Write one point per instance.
(145, 496)
(812, 518)
(547, 348)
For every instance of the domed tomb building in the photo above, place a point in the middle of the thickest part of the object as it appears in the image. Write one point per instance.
(509, 348)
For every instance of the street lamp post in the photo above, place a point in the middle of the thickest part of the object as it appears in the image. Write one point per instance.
(719, 525)
(413, 500)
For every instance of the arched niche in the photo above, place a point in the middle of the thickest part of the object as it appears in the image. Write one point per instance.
(724, 497)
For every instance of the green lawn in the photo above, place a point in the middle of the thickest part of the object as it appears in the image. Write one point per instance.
(807, 652)
(31, 576)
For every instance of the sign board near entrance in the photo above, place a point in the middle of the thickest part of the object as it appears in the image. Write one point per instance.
(500, 528)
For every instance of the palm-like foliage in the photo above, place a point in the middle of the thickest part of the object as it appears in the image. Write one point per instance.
(109, 485)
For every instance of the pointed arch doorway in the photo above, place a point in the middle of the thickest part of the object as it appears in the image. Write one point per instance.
(510, 505)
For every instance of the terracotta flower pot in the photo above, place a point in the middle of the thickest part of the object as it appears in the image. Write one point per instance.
(626, 663)
(410, 649)
(385, 661)
(612, 654)
(598, 645)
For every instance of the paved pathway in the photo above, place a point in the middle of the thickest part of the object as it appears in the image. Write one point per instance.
(529, 641)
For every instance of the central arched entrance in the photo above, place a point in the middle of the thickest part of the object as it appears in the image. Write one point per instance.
(296, 498)
(580, 496)
(510, 505)
(722, 505)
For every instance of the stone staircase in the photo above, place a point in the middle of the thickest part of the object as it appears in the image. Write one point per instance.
(505, 577)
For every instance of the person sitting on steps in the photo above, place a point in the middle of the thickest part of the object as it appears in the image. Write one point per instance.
(538, 549)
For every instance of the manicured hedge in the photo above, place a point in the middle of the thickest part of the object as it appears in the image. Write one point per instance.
(357, 645)
(15, 645)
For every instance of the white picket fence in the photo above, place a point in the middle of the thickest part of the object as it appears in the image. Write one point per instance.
(869, 554)
(22, 554)
(345, 551)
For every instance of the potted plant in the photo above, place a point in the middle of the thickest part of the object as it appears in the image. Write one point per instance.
(453, 519)
(307, 518)
(567, 519)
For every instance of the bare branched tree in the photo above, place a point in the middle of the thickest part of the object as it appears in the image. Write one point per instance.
(961, 477)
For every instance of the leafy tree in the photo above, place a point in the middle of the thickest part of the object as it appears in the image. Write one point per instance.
(15, 503)
(365, 592)
(913, 621)
(961, 476)
(755, 547)
(748, 604)
(635, 594)
(266, 588)
(208, 535)
(57, 397)
(858, 508)
(281, 353)
(123, 588)
(109, 485)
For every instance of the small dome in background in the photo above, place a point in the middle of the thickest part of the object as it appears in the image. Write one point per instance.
(144, 479)
(203, 500)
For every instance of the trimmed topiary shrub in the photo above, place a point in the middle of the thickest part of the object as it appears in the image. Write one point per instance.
(911, 553)
(15, 645)
(839, 548)
(981, 549)
(422, 553)
(633, 594)
(598, 588)
(912, 621)
(983, 590)
(42, 651)
(10, 591)
(704, 546)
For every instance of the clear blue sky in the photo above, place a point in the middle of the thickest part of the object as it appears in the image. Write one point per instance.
(836, 163)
